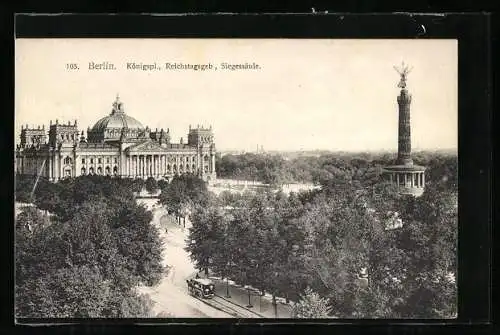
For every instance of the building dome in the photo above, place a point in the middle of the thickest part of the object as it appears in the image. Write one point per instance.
(116, 125)
(117, 120)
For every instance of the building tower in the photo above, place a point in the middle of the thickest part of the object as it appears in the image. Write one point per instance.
(409, 178)
(202, 138)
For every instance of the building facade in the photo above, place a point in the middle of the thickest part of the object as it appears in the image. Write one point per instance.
(117, 145)
(407, 176)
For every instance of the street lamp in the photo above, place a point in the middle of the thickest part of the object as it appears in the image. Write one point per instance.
(227, 287)
(275, 305)
(249, 302)
(227, 267)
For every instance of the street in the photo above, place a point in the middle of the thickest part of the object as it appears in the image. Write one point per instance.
(170, 296)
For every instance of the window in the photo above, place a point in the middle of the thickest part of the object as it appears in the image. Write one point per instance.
(116, 160)
(83, 160)
(91, 161)
(67, 160)
(83, 171)
(107, 160)
(99, 161)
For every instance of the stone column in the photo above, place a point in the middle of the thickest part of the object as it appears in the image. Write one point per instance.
(143, 165)
(132, 167)
(51, 172)
(152, 173)
(136, 166)
(423, 179)
(142, 168)
(159, 166)
(150, 166)
(56, 167)
(404, 131)
(156, 166)
(139, 166)
(165, 162)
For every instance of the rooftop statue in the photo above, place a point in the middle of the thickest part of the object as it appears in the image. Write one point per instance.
(403, 71)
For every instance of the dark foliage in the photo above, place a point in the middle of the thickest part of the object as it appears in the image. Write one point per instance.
(338, 241)
(84, 257)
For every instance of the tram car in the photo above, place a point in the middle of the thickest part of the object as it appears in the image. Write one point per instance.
(201, 287)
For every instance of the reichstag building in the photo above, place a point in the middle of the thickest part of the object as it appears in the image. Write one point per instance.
(117, 145)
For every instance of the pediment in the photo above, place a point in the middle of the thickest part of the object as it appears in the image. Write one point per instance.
(148, 146)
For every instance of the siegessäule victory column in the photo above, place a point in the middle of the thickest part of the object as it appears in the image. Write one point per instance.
(409, 178)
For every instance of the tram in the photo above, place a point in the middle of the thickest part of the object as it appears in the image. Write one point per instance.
(201, 287)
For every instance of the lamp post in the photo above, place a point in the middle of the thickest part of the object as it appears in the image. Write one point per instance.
(249, 302)
(227, 288)
(275, 305)
(228, 264)
(260, 303)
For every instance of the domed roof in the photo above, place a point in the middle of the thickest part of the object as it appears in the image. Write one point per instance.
(116, 120)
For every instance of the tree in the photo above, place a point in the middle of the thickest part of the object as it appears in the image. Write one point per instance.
(183, 192)
(311, 306)
(139, 241)
(151, 185)
(162, 184)
(206, 237)
(429, 241)
(99, 244)
(138, 185)
(77, 292)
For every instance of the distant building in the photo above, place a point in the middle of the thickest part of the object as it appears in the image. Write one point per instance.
(409, 178)
(117, 145)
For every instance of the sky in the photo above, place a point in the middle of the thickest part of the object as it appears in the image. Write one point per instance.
(321, 94)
